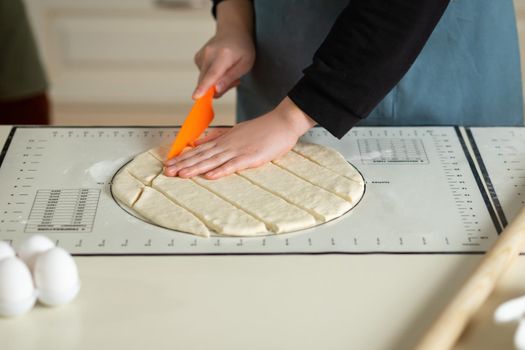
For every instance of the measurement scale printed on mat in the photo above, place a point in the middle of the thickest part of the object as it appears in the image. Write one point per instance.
(428, 190)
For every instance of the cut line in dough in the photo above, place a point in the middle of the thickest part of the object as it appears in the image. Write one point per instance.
(279, 215)
(145, 167)
(160, 153)
(218, 214)
(157, 208)
(323, 205)
(321, 176)
(328, 158)
(127, 188)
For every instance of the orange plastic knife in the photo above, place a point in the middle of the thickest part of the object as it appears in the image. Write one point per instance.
(196, 122)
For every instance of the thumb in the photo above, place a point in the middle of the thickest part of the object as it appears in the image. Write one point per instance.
(209, 76)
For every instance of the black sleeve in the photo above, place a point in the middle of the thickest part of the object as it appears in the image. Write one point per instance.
(371, 46)
(214, 7)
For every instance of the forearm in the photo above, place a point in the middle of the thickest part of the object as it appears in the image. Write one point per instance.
(234, 15)
(296, 121)
(368, 50)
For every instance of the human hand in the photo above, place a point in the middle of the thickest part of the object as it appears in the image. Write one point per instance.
(223, 60)
(247, 145)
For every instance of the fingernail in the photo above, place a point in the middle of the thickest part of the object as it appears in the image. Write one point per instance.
(197, 93)
(219, 86)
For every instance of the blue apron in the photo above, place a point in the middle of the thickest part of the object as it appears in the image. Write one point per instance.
(467, 74)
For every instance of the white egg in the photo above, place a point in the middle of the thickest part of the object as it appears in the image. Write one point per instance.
(32, 247)
(17, 293)
(511, 310)
(6, 251)
(56, 277)
(519, 336)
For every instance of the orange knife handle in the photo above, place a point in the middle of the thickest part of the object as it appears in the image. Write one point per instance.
(199, 118)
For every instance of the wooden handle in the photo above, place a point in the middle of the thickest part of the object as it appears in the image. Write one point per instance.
(447, 328)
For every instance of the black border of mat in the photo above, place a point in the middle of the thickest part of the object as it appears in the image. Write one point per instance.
(479, 182)
(486, 177)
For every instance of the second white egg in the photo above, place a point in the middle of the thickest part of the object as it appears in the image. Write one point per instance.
(56, 277)
(32, 247)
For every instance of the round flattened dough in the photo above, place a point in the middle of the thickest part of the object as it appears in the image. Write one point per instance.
(308, 186)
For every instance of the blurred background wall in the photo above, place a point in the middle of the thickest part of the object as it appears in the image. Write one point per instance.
(130, 62)
(123, 61)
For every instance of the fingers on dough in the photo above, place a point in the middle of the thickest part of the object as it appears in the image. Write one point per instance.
(126, 188)
(218, 214)
(160, 210)
(276, 213)
(145, 167)
(317, 201)
(329, 158)
(320, 176)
